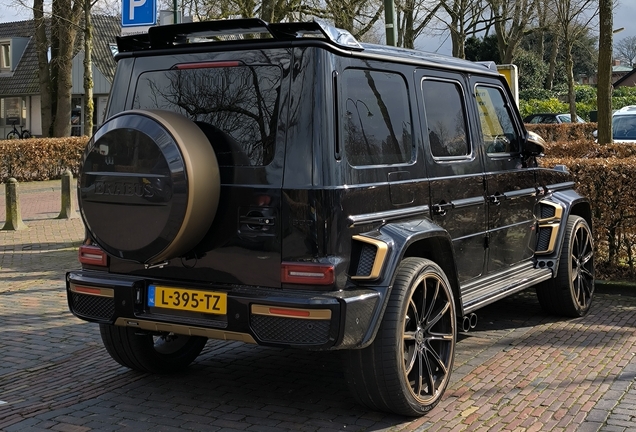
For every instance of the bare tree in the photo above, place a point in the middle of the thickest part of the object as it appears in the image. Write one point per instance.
(462, 18)
(512, 22)
(88, 69)
(604, 87)
(413, 17)
(626, 48)
(572, 19)
(42, 46)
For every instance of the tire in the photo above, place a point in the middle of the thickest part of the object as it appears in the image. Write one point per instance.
(570, 293)
(167, 353)
(26, 134)
(13, 135)
(408, 366)
(149, 186)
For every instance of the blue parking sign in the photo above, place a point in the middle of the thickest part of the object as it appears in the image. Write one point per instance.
(136, 13)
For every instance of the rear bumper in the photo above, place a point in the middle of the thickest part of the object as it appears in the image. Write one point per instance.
(328, 320)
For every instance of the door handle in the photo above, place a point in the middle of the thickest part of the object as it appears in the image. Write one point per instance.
(496, 198)
(441, 208)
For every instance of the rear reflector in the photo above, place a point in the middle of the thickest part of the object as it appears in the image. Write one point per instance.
(206, 65)
(307, 274)
(92, 255)
(290, 312)
(101, 292)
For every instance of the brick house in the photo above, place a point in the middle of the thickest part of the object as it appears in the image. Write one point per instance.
(20, 100)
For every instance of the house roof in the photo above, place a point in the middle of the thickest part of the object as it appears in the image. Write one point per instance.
(24, 79)
(627, 79)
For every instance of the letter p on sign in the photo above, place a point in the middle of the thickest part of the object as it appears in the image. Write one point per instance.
(134, 4)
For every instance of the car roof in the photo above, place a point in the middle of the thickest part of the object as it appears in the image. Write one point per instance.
(230, 32)
(626, 110)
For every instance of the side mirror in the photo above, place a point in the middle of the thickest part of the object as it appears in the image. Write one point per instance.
(534, 145)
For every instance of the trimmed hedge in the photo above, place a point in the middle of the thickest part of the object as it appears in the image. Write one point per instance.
(564, 131)
(610, 184)
(606, 174)
(36, 159)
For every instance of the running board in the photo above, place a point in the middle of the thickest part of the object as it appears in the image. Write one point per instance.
(484, 291)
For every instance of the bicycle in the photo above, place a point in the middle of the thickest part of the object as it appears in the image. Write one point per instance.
(14, 134)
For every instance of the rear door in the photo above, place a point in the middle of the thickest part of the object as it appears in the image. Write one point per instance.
(455, 168)
(238, 99)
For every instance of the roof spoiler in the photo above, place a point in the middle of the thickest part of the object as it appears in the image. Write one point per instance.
(167, 36)
(488, 64)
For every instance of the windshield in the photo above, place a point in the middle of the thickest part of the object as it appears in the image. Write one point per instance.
(624, 127)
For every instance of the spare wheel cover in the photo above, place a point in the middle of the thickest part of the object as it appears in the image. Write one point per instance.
(149, 185)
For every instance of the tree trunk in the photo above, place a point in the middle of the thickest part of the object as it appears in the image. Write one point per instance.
(604, 84)
(42, 46)
(569, 66)
(553, 60)
(268, 10)
(409, 33)
(88, 70)
(65, 28)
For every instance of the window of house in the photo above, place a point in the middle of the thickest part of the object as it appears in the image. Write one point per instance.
(376, 118)
(445, 118)
(5, 55)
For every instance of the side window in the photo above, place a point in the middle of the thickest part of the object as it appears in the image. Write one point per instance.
(445, 118)
(497, 127)
(376, 118)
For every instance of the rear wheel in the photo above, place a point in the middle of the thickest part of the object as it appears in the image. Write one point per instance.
(26, 134)
(164, 353)
(570, 292)
(408, 366)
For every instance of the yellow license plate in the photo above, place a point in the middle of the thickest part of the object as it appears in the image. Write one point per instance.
(187, 300)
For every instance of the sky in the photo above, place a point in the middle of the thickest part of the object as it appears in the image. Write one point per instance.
(624, 16)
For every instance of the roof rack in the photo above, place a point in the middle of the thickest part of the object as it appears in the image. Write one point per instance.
(166, 36)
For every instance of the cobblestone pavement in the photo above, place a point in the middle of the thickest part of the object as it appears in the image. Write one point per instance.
(519, 370)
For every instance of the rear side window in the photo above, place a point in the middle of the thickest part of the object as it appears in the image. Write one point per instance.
(496, 122)
(377, 121)
(236, 107)
(445, 118)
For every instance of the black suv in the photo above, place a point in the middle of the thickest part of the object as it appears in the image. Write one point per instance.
(285, 185)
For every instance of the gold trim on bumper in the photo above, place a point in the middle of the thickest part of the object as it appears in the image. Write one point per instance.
(185, 330)
(287, 312)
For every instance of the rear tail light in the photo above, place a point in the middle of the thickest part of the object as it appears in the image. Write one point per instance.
(92, 255)
(307, 274)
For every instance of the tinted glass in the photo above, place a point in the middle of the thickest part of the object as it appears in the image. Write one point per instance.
(377, 122)
(235, 106)
(446, 118)
(496, 123)
(624, 127)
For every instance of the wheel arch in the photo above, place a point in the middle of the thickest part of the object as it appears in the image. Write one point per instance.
(572, 204)
(424, 240)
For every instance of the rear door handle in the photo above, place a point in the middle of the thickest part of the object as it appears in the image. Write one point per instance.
(441, 208)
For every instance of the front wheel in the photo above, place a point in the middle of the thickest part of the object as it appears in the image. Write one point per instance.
(163, 353)
(570, 292)
(408, 366)
(13, 135)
